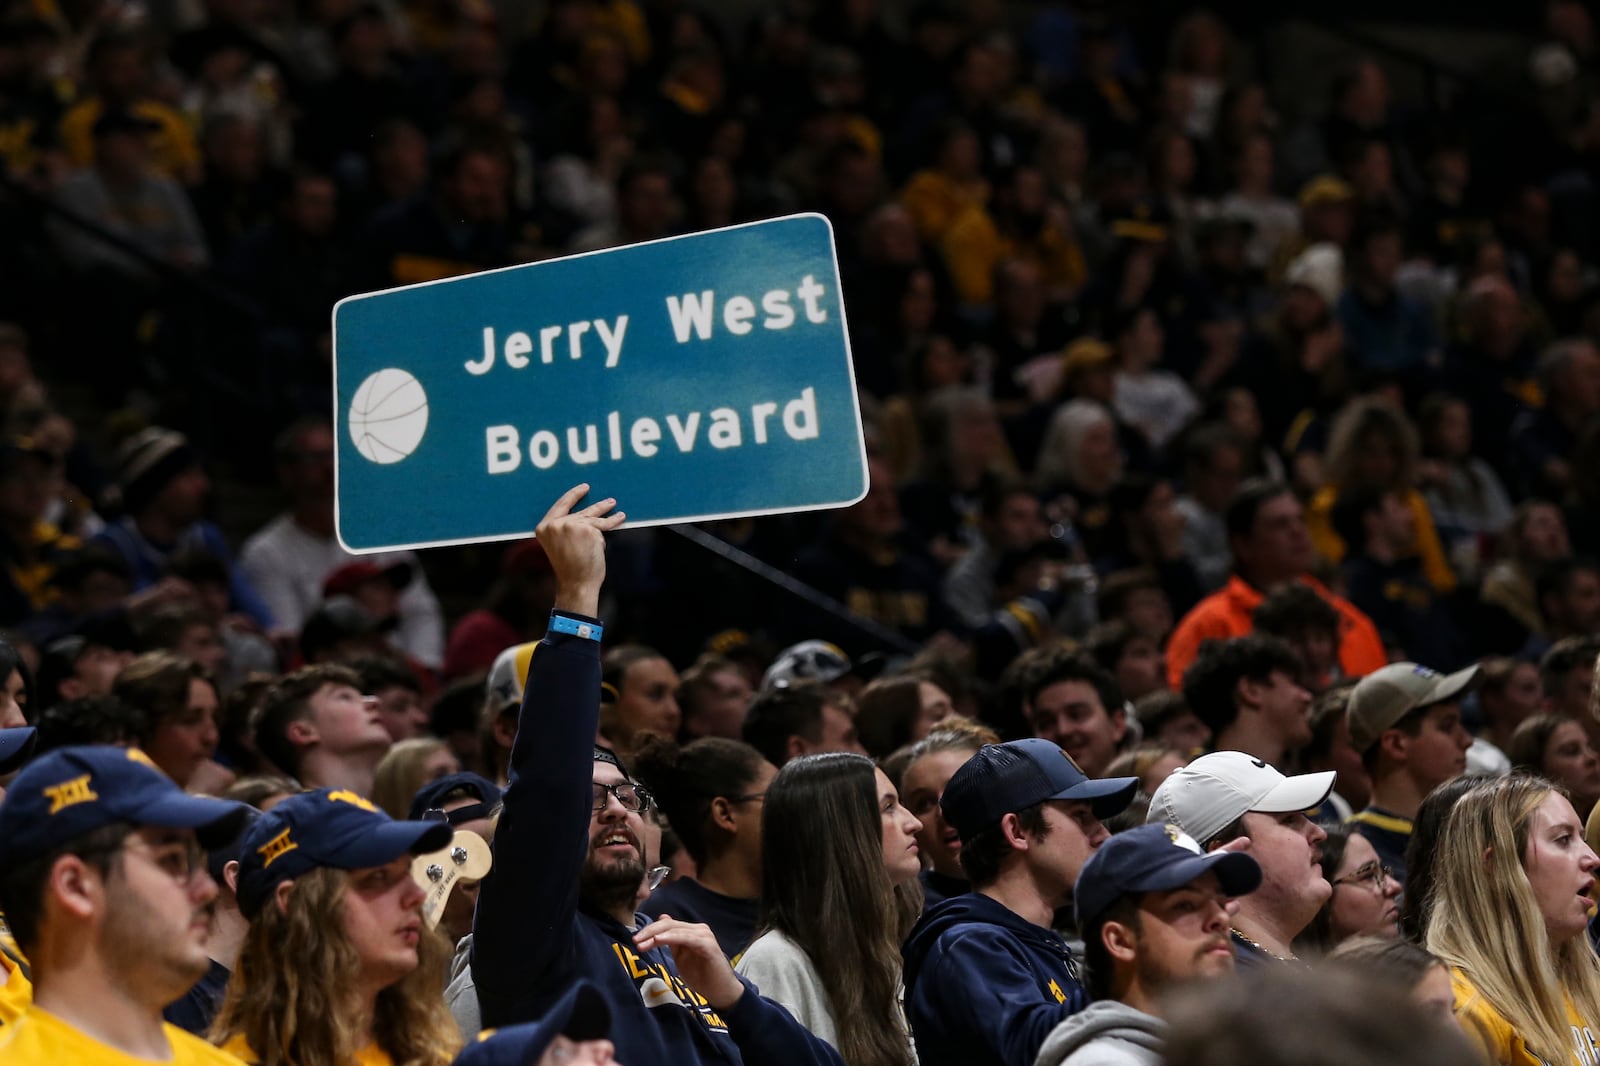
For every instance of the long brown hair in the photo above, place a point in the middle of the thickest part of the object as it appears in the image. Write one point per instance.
(1485, 921)
(292, 994)
(824, 887)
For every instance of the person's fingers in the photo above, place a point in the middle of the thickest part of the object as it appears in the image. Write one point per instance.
(597, 508)
(612, 521)
(564, 502)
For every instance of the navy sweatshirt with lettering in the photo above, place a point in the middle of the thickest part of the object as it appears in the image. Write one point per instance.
(532, 939)
(985, 986)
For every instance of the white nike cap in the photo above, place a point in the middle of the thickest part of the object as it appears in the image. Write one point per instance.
(1206, 796)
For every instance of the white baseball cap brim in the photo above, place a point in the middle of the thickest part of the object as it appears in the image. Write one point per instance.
(1210, 793)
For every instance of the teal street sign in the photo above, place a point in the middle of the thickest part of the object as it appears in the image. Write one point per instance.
(698, 377)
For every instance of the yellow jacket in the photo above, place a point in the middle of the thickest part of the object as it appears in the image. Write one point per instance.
(1329, 545)
(935, 201)
(173, 149)
(973, 246)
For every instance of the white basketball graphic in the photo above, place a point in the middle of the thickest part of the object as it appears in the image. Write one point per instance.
(388, 416)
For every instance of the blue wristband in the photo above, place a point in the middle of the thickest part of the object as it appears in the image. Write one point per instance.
(560, 623)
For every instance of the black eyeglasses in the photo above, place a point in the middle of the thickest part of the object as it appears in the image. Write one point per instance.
(1375, 874)
(179, 860)
(632, 797)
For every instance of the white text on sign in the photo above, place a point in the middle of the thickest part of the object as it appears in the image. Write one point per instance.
(583, 444)
(693, 316)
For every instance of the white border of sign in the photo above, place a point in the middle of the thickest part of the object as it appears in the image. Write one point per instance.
(536, 508)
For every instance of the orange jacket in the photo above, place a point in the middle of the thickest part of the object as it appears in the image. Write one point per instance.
(1226, 613)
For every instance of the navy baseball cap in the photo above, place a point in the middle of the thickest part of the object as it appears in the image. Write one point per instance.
(581, 1014)
(15, 746)
(466, 783)
(223, 852)
(1003, 778)
(1155, 858)
(328, 827)
(71, 791)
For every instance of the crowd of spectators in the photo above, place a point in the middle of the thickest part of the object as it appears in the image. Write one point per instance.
(1200, 419)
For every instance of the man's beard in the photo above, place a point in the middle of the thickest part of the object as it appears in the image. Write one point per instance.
(608, 884)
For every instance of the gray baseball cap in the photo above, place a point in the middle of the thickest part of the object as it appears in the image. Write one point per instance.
(1385, 696)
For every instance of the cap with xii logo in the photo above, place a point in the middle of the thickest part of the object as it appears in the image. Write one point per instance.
(328, 827)
(1205, 797)
(1004, 778)
(71, 791)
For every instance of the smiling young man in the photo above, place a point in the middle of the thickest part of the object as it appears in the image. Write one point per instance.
(104, 887)
(1155, 913)
(1070, 701)
(1405, 720)
(559, 903)
(319, 728)
(1226, 795)
(986, 977)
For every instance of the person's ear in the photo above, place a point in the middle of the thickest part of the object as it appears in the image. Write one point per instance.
(1119, 722)
(1119, 941)
(723, 816)
(76, 887)
(1015, 835)
(71, 688)
(1247, 693)
(1393, 743)
(301, 733)
(230, 875)
(794, 747)
(280, 895)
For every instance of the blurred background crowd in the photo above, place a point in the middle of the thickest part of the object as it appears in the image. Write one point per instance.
(1103, 266)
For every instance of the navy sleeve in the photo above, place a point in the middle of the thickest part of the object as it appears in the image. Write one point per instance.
(981, 988)
(524, 941)
(770, 1035)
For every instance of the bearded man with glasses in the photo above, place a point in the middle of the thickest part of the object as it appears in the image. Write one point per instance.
(559, 905)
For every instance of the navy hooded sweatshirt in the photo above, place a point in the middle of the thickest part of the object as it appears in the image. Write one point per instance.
(531, 940)
(985, 986)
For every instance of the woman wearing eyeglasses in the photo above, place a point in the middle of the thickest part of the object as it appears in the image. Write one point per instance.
(1514, 883)
(839, 894)
(712, 791)
(1365, 900)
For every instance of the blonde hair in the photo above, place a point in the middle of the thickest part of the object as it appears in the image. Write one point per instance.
(293, 994)
(402, 772)
(1484, 919)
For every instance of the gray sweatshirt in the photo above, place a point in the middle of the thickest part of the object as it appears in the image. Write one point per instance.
(1106, 1033)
